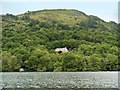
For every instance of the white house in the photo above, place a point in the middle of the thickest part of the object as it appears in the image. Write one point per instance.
(21, 70)
(61, 50)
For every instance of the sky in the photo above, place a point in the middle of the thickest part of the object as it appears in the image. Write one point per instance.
(107, 11)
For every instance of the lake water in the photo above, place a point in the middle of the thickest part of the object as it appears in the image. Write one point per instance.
(59, 79)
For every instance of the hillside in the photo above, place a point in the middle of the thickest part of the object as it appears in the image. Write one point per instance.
(30, 40)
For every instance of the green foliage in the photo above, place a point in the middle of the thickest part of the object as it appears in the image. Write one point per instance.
(30, 40)
(9, 62)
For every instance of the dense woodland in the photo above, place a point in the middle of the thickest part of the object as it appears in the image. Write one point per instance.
(29, 41)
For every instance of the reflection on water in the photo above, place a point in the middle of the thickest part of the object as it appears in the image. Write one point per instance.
(60, 80)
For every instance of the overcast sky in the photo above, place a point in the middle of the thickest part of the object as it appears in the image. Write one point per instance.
(107, 11)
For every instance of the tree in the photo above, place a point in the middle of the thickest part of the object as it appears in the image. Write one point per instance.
(9, 62)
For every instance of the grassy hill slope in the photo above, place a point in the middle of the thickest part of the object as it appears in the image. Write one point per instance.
(30, 40)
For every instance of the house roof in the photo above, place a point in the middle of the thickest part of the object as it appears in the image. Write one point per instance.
(61, 49)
